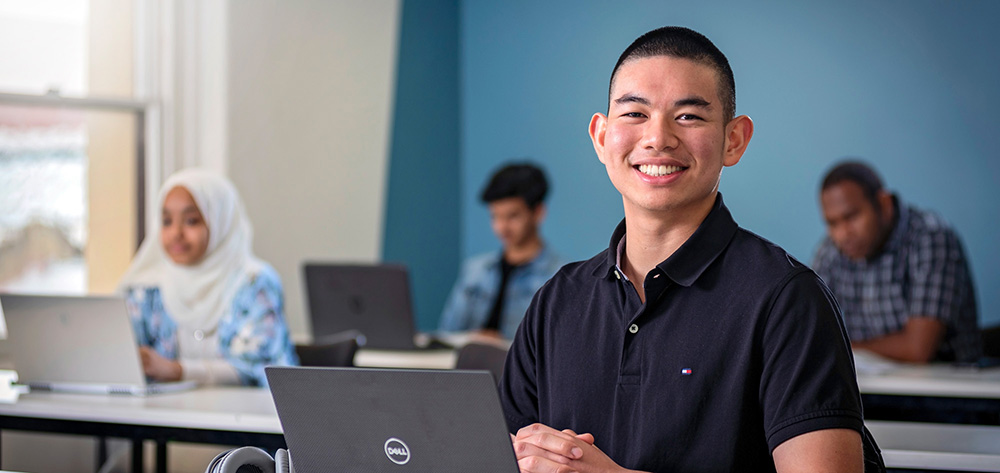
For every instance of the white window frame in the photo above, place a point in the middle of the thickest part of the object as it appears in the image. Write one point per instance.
(139, 110)
(180, 93)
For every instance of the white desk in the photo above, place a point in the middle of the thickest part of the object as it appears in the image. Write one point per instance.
(438, 359)
(246, 416)
(928, 393)
(937, 446)
(933, 380)
(229, 416)
(412, 359)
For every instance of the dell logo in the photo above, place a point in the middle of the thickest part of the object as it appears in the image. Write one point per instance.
(397, 451)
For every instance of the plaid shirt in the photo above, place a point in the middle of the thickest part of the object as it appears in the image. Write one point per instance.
(922, 271)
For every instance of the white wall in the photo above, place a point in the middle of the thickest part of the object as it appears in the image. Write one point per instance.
(310, 93)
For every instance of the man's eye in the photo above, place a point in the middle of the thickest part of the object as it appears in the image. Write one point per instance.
(633, 115)
(688, 117)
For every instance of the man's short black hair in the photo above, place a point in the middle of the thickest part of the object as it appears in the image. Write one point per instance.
(683, 43)
(859, 173)
(524, 180)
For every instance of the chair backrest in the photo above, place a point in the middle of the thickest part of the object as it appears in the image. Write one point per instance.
(333, 353)
(482, 356)
(872, 454)
(991, 341)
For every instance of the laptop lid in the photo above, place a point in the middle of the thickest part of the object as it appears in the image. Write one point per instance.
(373, 420)
(372, 299)
(75, 344)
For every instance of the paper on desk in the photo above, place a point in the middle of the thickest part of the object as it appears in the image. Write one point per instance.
(866, 362)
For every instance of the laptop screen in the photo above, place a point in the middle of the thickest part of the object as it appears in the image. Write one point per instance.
(65, 339)
(82, 344)
(372, 299)
(371, 420)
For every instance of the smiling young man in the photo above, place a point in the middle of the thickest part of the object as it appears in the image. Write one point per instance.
(690, 344)
(899, 272)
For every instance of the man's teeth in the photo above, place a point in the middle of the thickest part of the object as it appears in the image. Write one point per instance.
(656, 171)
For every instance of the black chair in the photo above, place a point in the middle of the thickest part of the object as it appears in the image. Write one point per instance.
(482, 356)
(872, 453)
(991, 341)
(336, 350)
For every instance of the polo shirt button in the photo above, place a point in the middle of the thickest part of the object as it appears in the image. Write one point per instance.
(633, 328)
(619, 276)
(199, 335)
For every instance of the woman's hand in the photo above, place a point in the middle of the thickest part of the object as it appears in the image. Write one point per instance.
(159, 368)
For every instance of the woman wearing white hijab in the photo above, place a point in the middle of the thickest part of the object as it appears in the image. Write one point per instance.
(203, 307)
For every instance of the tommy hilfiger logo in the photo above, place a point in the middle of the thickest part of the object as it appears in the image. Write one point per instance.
(686, 371)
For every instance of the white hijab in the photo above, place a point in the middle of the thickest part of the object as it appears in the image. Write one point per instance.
(198, 296)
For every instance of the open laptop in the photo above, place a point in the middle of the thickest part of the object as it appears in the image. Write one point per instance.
(76, 344)
(372, 299)
(370, 420)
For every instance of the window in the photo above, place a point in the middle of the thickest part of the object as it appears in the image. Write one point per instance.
(71, 147)
(44, 45)
(43, 169)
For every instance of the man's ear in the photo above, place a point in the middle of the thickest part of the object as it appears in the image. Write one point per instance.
(598, 126)
(885, 205)
(538, 214)
(738, 133)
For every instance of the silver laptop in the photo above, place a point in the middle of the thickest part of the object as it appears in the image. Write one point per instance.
(76, 344)
(371, 420)
(372, 299)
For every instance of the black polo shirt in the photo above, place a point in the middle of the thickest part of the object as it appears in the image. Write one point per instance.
(738, 348)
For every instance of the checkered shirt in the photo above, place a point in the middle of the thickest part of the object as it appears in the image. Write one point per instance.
(922, 271)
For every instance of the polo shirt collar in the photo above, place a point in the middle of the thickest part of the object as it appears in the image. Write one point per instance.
(612, 261)
(899, 229)
(695, 255)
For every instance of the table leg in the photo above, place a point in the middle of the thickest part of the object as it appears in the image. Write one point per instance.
(161, 456)
(102, 452)
(137, 456)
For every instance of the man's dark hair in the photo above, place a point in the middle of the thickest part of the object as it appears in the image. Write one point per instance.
(683, 43)
(859, 173)
(524, 180)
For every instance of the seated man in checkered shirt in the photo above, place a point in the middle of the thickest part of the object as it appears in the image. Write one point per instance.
(899, 272)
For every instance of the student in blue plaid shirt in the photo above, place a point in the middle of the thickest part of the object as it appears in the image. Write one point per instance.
(899, 273)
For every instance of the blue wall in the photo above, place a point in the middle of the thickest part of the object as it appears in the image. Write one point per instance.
(911, 86)
(422, 212)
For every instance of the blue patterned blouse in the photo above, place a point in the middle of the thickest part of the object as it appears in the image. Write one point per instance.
(253, 335)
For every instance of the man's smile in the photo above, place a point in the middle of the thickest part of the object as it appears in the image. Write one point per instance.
(654, 170)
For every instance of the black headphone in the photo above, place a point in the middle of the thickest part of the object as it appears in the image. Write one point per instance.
(251, 460)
